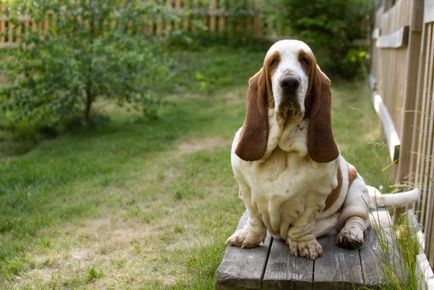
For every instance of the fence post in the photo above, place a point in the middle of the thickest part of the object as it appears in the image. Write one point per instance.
(2, 26)
(257, 26)
(212, 17)
(410, 90)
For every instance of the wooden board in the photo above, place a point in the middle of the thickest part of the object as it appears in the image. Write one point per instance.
(370, 257)
(285, 271)
(423, 268)
(376, 33)
(428, 11)
(243, 268)
(425, 273)
(271, 266)
(410, 89)
(338, 268)
(389, 129)
(396, 39)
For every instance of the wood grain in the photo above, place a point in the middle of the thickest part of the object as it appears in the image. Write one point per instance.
(389, 129)
(395, 39)
(271, 266)
(338, 268)
(371, 259)
(243, 268)
(428, 11)
(285, 271)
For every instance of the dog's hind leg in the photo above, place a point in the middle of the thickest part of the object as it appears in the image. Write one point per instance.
(354, 216)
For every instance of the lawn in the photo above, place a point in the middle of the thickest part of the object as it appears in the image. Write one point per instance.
(148, 204)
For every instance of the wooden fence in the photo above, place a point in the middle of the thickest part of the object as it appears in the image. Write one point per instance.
(215, 16)
(402, 78)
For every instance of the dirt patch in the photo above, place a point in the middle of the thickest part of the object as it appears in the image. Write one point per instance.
(124, 250)
(236, 96)
(204, 144)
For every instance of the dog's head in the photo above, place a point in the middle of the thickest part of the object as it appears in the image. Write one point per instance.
(292, 84)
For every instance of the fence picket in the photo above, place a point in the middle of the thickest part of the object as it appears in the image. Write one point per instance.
(425, 126)
(211, 15)
(429, 140)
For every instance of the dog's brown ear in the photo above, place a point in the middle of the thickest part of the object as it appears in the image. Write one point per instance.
(254, 135)
(321, 144)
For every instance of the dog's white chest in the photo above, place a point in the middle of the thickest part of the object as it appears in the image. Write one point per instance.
(279, 189)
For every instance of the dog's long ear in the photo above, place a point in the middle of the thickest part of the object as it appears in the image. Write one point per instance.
(254, 135)
(321, 144)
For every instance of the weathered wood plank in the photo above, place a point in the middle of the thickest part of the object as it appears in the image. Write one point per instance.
(424, 117)
(423, 268)
(410, 89)
(389, 129)
(271, 266)
(424, 272)
(338, 268)
(371, 259)
(396, 39)
(372, 82)
(243, 268)
(428, 11)
(285, 271)
(376, 33)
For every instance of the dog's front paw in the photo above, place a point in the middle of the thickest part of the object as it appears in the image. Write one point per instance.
(309, 249)
(350, 237)
(245, 239)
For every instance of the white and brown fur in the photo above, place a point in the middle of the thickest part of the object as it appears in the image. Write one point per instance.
(292, 178)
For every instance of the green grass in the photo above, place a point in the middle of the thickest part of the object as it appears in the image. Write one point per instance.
(399, 271)
(148, 204)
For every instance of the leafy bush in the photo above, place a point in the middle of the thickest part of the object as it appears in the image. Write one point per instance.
(332, 29)
(91, 51)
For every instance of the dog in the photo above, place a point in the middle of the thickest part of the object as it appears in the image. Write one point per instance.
(292, 178)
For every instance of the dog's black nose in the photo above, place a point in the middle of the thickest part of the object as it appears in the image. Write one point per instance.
(289, 83)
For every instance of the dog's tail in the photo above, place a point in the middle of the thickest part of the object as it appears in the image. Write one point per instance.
(379, 199)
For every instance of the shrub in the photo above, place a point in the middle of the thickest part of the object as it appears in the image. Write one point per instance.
(332, 29)
(91, 51)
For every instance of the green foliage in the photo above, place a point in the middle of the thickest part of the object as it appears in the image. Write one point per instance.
(91, 51)
(332, 29)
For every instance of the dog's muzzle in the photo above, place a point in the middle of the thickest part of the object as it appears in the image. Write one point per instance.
(289, 84)
(289, 105)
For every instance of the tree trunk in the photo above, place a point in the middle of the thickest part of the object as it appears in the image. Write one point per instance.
(89, 101)
(90, 94)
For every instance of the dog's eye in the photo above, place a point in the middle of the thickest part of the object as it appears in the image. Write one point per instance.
(273, 62)
(304, 61)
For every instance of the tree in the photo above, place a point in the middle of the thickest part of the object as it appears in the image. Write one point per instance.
(92, 49)
(332, 28)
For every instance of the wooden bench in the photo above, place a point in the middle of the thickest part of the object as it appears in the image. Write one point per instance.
(271, 266)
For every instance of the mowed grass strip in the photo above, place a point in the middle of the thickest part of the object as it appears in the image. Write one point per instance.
(148, 204)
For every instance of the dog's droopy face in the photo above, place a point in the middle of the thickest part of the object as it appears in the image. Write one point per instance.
(294, 87)
(289, 64)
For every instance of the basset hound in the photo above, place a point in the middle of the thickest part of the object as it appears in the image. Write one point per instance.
(292, 178)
